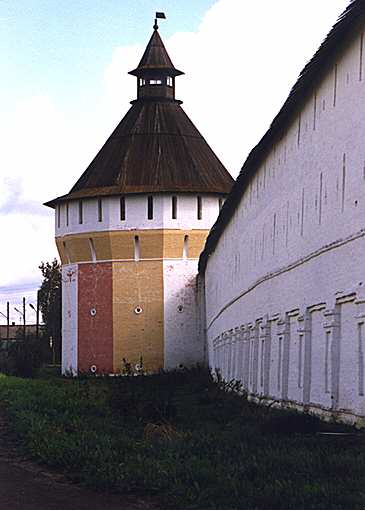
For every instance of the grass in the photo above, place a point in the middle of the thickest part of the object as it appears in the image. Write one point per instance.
(183, 437)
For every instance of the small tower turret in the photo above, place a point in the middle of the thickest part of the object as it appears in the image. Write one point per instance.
(155, 72)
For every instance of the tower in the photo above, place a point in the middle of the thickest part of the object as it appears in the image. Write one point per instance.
(130, 231)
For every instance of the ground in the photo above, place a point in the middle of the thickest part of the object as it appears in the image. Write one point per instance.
(27, 486)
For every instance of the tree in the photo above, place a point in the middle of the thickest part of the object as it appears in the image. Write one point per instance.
(50, 302)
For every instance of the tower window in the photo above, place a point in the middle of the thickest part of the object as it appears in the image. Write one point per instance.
(169, 81)
(92, 250)
(67, 253)
(186, 247)
(137, 252)
(100, 209)
(142, 82)
(122, 208)
(67, 214)
(81, 212)
(58, 216)
(155, 82)
(220, 202)
(174, 208)
(199, 208)
(150, 207)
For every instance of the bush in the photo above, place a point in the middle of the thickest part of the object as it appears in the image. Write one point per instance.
(292, 422)
(24, 358)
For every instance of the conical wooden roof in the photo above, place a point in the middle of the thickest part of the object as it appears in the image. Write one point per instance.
(155, 148)
(155, 57)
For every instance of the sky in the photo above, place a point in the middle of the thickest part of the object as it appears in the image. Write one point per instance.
(64, 86)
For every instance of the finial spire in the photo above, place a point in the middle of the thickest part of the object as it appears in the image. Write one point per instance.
(159, 15)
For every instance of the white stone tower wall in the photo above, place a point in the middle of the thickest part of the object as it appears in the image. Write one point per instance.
(181, 343)
(136, 214)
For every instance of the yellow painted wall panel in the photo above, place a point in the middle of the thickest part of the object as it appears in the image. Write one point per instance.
(173, 244)
(122, 245)
(197, 240)
(78, 249)
(138, 284)
(102, 245)
(61, 251)
(152, 243)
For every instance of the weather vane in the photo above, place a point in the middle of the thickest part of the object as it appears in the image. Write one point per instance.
(159, 15)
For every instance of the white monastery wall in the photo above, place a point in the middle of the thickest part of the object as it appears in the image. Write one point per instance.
(284, 299)
(136, 214)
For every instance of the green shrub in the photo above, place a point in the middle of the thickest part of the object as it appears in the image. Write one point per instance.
(25, 357)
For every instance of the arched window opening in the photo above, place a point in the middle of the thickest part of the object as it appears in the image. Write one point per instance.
(81, 212)
(100, 209)
(122, 208)
(67, 253)
(137, 249)
(199, 208)
(92, 250)
(186, 247)
(150, 207)
(174, 208)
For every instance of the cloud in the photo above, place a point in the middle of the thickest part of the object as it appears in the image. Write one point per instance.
(13, 199)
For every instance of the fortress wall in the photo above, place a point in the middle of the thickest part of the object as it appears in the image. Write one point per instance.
(284, 298)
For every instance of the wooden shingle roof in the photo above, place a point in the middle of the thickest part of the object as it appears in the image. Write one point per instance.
(155, 57)
(154, 149)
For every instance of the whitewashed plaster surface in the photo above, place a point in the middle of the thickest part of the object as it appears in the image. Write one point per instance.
(136, 214)
(182, 344)
(284, 302)
(69, 318)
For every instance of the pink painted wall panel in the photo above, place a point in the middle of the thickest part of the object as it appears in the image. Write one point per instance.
(95, 317)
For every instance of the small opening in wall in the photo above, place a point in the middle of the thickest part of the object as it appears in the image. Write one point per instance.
(180, 308)
(138, 310)
(100, 209)
(174, 207)
(327, 363)
(122, 208)
(58, 216)
(81, 212)
(137, 252)
(92, 250)
(67, 213)
(199, 207)
(150, 207)
(67, 253)
(186, 247)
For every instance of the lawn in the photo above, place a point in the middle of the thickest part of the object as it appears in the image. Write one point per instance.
(187, 439)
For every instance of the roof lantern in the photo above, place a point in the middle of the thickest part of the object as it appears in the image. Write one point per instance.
(156, 73)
